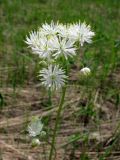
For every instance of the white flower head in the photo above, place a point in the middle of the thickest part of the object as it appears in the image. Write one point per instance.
(81, 32)
(85, 71)
(63, 31)
(63, 47)
(53, 77)
(50, 29)
(39, 44)
(44, 50)
(33, 39)
(35, 127)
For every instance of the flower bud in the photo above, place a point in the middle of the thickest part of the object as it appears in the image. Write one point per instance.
(85, 71)
(43, 134)
(35, 142)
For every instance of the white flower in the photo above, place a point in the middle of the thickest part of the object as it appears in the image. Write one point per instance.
(35, 128)
(33, 39)
(85, 71)
(62, 47)
(43, 49)
(81, 32)
(53, 77)
(64, 31)
(50, 29)
(68, 31)
(39, 44)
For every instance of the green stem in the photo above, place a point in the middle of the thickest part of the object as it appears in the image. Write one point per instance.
(56, 123)
(49, 98)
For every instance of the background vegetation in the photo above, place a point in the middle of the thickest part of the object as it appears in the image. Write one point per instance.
(18, 67)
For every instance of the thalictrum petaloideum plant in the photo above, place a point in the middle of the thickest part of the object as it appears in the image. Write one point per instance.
(55, 44)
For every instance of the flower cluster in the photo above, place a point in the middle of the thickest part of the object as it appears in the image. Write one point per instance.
(56, 42)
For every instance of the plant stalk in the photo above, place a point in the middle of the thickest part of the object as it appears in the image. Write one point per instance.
(57, 122)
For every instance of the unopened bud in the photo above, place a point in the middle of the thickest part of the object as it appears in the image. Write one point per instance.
(85, 71)
(42, 134)
(35, 142)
